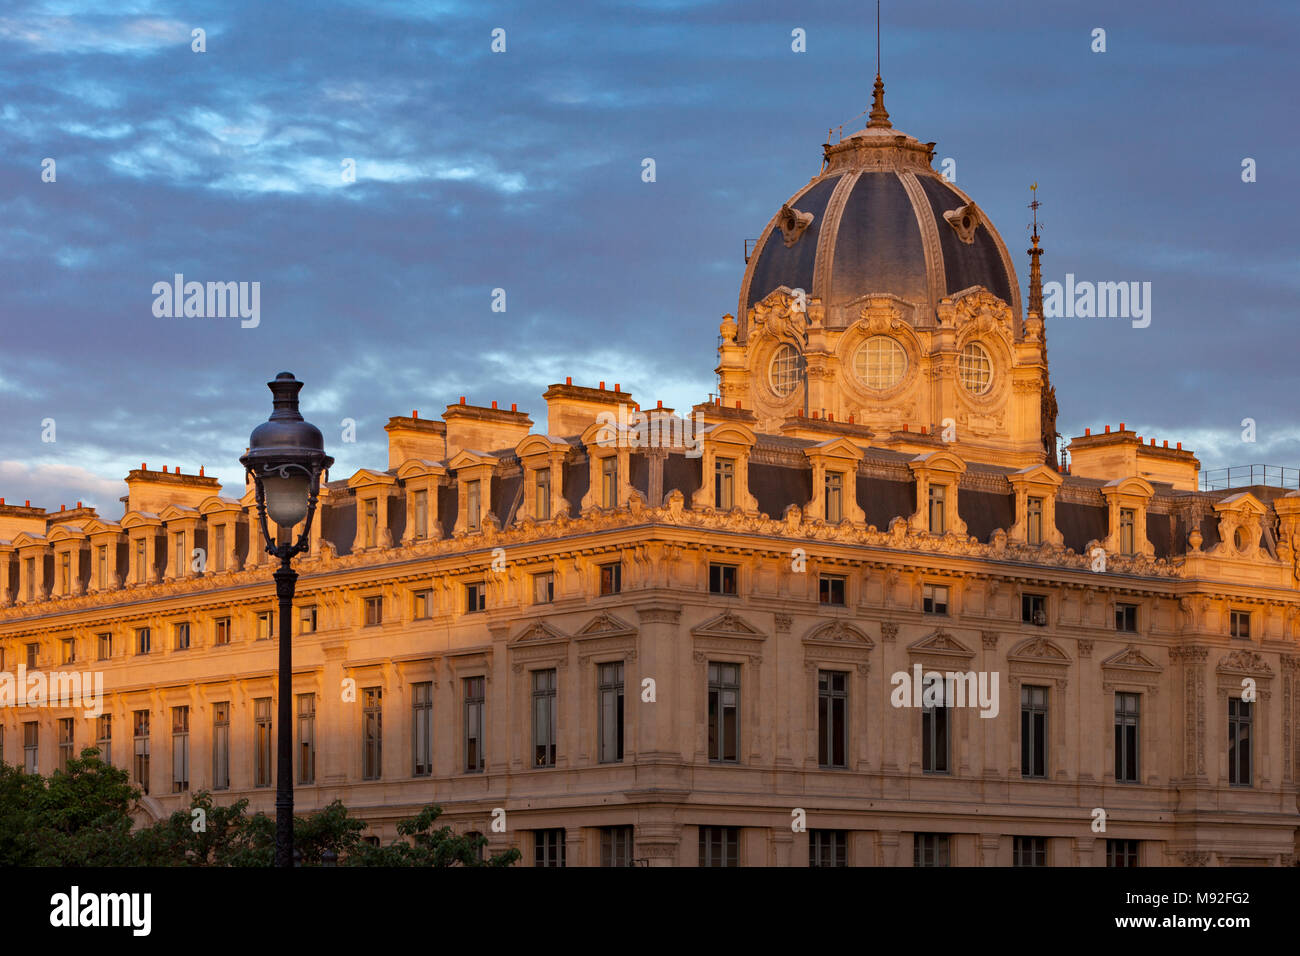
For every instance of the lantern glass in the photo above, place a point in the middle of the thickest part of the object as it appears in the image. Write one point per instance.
(286, 498)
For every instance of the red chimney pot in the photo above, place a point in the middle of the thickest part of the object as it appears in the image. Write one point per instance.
(568, 380)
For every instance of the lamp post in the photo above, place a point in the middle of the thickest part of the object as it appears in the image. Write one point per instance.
(285, 459)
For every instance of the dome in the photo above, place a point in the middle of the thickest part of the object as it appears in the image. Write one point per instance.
(878, 220)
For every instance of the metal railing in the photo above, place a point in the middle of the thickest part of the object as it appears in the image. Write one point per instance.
(1242, 476)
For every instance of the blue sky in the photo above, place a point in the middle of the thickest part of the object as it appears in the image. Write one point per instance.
(522, 171)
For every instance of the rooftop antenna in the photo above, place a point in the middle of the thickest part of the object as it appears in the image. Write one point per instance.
(879, 115)
(877, 37)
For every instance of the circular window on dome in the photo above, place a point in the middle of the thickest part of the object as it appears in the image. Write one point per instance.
(786, 370)
(880, 362)
(975, 368)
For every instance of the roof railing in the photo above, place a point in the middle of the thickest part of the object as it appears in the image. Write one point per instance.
(1243, 476)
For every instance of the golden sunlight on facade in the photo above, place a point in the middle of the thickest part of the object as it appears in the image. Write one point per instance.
(676, 644)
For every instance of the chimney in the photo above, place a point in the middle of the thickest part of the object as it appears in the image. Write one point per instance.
(570, 408)
(152, 491)
(483, 429)
(415, 438)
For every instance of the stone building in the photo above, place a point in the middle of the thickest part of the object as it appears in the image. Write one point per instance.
(704, 639)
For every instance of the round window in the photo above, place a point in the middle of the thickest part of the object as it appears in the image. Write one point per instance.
(785, 370)
(1239, 539)
(880, 362)
(975, 368)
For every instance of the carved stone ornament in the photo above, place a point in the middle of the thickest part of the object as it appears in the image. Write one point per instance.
(964, 221)
(793, 223)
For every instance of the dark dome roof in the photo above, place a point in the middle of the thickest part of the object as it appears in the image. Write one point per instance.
(879, 219)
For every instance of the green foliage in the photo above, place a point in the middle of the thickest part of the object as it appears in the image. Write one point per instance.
(81, 817)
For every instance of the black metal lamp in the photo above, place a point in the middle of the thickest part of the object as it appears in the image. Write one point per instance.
(285, 458)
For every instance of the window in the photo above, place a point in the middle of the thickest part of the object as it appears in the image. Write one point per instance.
(542, 507)
(828, 848)
(611, 578)
(548, 847)
(719, 846)
(372, 732)
(724, 483)
(609, 481)
(179, 544)
(1239, 624)
(1030, 851)
(65, 742)
(422, 604)
(1127, 723)
(544, 718)
(724, 712)
(307, 619)
(105, 646)
(31, 745)
(1034, 521)
(221, 745)
(306, 738)
(610, 711)
(880, 362)
(1033, 609)
(475, 597)
(938, 522)
(1033, 731)
(785, 370)
(221, 631)
(1121, 852)
(180, 749)
(544, 587)
(31, 579)
(934, 598)
(477, 841)
(830, 589)
(1126, 617)
(104, 738)
(69, 650)
(140, 569)
(140, 730)
(722, 579)
(370, 515)
(262, 742)
(473, 505)
(1127, 520)
(420, 513)
(834, 497)
(143, 640)
(474, 740)
(101, 567)
(265, 625)
(935, 726)
(181, 636)
(219, 548)
(832, 718)
(975, 368)
(422, 729)
(33, 651)
(374, 610)
(930, 849)
(615, 846)
(1240, 717)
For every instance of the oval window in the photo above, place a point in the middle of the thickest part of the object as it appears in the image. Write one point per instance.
(975, 368)
(785, 370)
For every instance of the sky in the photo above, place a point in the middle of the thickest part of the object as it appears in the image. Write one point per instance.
(521, 170)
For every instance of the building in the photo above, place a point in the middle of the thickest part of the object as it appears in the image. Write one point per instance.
(672, 639)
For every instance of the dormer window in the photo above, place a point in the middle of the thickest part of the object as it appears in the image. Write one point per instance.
(180, 554)
(473, 505)
(834, 497)
(1127, 523)
(938, 513)
(139, 561)
(371, 517)
(101, 572)
(724, 479)
(609, 481)
(784, 371)
(1034, 521)
(975, 369)
(542, 508)
(880, 362)
(420, 513)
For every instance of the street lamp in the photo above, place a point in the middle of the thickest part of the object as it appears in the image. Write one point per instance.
(285, 458)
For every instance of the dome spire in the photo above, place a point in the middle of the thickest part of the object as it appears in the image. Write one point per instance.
(879, 115)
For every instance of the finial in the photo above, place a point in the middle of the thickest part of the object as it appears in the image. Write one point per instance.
(879, 115)
(1034, 252)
